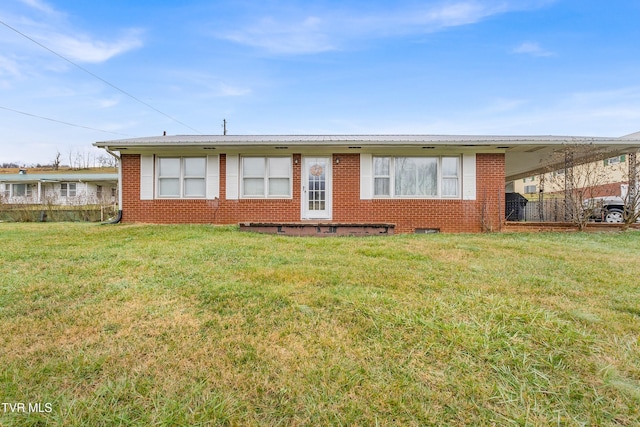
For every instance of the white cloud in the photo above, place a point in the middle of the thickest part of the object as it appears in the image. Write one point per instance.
(42, 23)
(108, 103)
(308, 35)
(8, 67)
(589, 113)
(85, 49)
(299, 32)
(204, 85)
(227, 90)
(41, 6)
(533, 49)
(458, 13)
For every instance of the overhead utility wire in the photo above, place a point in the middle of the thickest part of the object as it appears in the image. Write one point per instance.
(60, 121)
(98, 77)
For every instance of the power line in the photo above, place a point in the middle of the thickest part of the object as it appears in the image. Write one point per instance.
(60, 121)
(98, 77)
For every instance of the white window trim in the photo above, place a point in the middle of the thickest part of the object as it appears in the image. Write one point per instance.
(181, 178)
(265, 195)
(439, 179)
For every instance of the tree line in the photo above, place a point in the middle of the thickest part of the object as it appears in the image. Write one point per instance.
(73, 159)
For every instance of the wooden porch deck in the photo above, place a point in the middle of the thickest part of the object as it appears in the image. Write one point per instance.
(320, 229)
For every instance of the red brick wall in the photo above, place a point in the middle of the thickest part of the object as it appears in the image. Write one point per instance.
(485, 213)
(192, 211)
(490, 185)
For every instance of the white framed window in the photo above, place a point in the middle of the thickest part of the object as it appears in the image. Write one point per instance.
(382, 176)
(22, 190)
(266, 177)
(416, 177)
(450, 185)
(530, 189)
(194, 172)
(181, 177)
(68, 189)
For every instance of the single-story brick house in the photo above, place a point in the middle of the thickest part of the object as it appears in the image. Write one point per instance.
(415, 182)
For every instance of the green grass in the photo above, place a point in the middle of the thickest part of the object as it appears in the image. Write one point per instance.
(200, 325)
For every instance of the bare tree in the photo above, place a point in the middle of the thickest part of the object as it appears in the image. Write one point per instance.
(579, 175)
(72, 163)
(631, 195)
(56, 161)
(106, 161)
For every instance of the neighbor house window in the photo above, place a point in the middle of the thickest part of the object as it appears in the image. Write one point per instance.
(421, 177)
(529, 189)
(22, 190)
(266, 177)
(68, 189)
(614, 160)
(182, 177)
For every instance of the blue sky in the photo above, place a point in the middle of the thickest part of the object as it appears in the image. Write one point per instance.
(506, 67)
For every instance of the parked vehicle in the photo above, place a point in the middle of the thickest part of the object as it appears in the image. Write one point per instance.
(609, 209)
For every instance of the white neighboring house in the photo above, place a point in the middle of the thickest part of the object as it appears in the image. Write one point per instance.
(614, 172)
(59, 188)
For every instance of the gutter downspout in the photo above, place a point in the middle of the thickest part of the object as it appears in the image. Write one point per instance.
(118, 217)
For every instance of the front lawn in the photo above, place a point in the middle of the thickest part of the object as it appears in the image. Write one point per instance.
(201, 325)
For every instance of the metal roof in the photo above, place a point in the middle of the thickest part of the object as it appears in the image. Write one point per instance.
(525, 155)
(236, 140)
(58, 177)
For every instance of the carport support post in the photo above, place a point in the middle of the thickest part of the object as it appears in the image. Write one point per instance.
(633, 178)
(541, 199)
(568, 185)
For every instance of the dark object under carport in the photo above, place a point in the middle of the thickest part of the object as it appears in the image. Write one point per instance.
(515, 204)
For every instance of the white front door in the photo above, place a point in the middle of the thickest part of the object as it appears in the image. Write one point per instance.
(316, 188)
